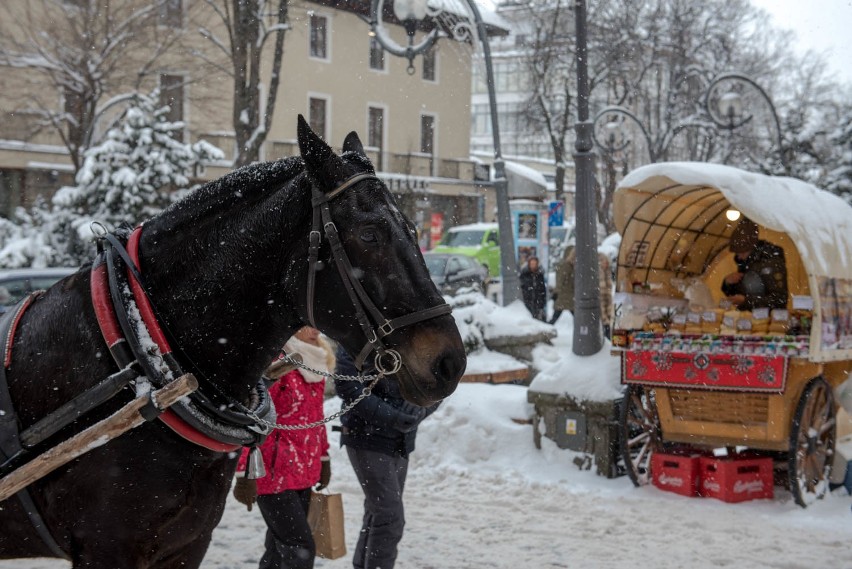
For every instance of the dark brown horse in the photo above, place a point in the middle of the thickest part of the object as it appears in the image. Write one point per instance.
(227, 269)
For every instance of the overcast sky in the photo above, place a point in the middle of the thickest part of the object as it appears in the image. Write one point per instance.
(820, 25)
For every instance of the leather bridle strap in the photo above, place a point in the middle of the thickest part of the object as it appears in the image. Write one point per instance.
(360, 299)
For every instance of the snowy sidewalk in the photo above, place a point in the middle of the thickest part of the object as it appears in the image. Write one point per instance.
(480, 496)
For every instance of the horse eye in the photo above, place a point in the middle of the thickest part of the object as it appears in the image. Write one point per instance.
(369, 236)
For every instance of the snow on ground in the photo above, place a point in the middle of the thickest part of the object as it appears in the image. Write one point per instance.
(479, 495)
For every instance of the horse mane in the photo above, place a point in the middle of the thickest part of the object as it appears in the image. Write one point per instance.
(236, 190)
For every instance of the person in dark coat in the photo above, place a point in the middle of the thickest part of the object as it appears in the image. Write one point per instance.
(761, 277)
(378, 434)
(534, 288)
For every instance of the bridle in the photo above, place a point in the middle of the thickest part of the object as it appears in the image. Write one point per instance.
(387, 361)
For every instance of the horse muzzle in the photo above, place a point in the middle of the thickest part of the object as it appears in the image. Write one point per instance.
(429, 374)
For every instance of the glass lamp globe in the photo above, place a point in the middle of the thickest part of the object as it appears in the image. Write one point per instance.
(409, 9)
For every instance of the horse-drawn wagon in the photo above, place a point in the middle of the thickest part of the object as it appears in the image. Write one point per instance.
(700, 373)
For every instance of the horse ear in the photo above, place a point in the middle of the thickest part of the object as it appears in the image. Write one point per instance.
(353, 144)
(313, 149)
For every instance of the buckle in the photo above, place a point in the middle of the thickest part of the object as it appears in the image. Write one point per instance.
(326, 226)
(314, 238)
(386, 328)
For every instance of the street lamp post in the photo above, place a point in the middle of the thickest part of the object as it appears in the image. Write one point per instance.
(409, 12)
(588, 335)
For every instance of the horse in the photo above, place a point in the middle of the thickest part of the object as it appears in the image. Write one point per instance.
(233, 270)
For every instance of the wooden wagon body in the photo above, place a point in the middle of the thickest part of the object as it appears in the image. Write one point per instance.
(702, 373)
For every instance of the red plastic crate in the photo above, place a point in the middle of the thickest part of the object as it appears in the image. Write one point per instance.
(676, 473)
(736, 479)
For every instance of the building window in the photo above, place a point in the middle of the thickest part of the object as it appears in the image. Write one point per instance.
(172, 95)
(75, 106)
(319, 36)
(317, 115)
(377, 55)
(11, 188)
(170, 13)
(429, 62)
(427, 134)
(375, 130)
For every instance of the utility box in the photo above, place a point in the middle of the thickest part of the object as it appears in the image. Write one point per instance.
(570, 431)
(589, 427)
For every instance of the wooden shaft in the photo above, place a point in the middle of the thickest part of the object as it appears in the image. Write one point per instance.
(98, 434)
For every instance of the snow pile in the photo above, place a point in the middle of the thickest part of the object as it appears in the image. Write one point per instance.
(526, 172)
(588, 378)
(479, 319)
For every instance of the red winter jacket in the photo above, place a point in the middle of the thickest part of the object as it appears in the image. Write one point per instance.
(292, 458)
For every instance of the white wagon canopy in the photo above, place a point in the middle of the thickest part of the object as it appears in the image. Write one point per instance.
(675, 227)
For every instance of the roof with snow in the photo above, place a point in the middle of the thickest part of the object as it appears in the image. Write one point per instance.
(820, 223)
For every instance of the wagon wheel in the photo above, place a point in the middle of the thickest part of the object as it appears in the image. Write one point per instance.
(812, 443)
(640, 432)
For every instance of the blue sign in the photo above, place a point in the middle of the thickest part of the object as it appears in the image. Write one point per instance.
(555, 213)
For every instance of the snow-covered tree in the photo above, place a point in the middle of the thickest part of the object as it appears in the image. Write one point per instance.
(839, 179)
(129, 177)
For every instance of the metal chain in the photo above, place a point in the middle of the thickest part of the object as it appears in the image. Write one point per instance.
(329, 375)
(345, 409)
(373, 379)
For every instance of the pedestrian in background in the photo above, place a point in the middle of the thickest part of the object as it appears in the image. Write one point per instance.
(564, 297)
(378, 434)
(295, 460)
(534, 288)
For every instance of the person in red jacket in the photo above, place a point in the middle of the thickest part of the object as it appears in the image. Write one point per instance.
(295, 460)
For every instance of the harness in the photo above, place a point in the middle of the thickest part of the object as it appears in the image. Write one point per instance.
(130, 327)
(386, 361)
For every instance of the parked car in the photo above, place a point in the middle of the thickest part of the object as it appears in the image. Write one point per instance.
(15, 284)
(478, 240)
(452, 272)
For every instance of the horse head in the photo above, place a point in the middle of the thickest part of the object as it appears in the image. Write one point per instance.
(378, 297)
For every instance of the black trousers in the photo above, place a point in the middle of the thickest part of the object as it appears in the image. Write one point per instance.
(382, 478)
(289, 544)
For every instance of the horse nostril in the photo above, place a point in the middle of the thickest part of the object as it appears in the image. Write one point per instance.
(449, 368)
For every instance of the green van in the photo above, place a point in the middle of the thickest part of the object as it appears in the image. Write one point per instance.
(478, 240)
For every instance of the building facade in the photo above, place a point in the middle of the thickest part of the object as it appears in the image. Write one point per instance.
(415, 127)
(522, 140)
